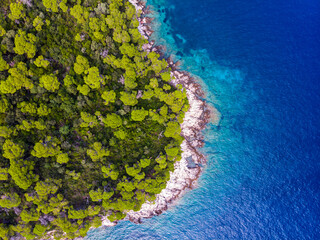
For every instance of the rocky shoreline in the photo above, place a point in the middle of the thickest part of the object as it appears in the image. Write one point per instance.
(189, 168)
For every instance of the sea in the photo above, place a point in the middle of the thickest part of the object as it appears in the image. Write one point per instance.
(259, 65)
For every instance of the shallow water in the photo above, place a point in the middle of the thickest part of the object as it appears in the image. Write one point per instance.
(259, 62)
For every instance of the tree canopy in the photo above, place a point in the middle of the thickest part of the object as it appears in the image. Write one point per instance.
(89, 125)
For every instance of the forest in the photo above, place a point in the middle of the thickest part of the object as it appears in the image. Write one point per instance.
(89, 122)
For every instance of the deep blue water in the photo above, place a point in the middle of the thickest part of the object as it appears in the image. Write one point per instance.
(259, 62)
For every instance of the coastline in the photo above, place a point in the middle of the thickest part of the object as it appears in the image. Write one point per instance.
(189, 168)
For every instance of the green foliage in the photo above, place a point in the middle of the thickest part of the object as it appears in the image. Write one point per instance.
(16, 80)
(145, 162)
(96, 195)
(139, 115)
(88, 120)
(24, 43)
(39, 229)
(40, 62)
(77, 214)
(173, 130)
(10, 200)
(80, 13)
(43, 110)
(68, 80)
(38, 23)
(109, 97)
(49, 82)
(3, 64)
(121, 134)
(98, 152)
(110, 172)
(132, 171)
(47, 187)
(21, 173)
(28, 216)
(172, 151)
(128, 99)
(3, 174)
(166, 76)
(63, 5)
(93, 79)
(2, 31)
(51, 5)
(3, 105)
(90, 125)
(26, 107)
(62, 158)
(5, 131)
(4, 231)
(84, 89)
(47, 148)
(16, 11)
(81, 65)
(112, 120)
(93, 210)
(11, 150)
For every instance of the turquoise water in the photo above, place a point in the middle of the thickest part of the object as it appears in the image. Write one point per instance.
(259, 63)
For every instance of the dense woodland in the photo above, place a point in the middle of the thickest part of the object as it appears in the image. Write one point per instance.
(89, 124)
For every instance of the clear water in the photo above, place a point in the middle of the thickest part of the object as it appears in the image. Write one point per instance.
(259, 62)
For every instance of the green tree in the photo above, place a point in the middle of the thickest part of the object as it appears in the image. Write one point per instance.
(3, 174)
(173, 130)
(51, 5)
(121, 134)
(144, 162)
(12, 150)
(108, 96)
(128, 99)
(171, 150)
(5, 131)
(21, 173)
(93, 210)
(3, 105)
(110, 172)
(84, 89)
(88, 120)
(29, 216)
(43, 110)
(81, 65)
(139, 115)
(44, 188)
(38, 23)
(16, 11)
(62, 158)
(24, 43)
(2, 31)
(77, 214)
(49, 82)
(39, 229)
(112, 120)
(16, 80)
(166, 76)
(10, 200)
(93, 79)
(27, 107)
(4, 231)
(40, 62)
(47, 148)
(80, 13)
(3, 64)
(98, 152)
(96, 195)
